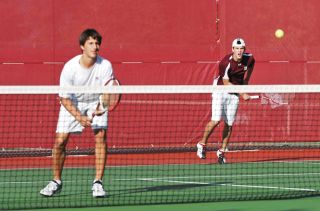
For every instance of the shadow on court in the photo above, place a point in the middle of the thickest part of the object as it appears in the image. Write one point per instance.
(167, 187)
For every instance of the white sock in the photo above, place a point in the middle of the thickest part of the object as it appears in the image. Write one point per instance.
(97, 180)
(58, 181)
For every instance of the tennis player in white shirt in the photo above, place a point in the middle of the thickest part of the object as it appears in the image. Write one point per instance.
(87, 69)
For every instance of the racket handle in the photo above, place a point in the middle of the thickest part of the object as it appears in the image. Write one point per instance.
(90, 114)
(253, 97)
(102, 105)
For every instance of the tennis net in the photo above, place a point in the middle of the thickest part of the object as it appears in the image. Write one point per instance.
(273, 153)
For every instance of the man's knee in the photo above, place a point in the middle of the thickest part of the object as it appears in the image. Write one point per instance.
(213, 123)
(228, 128)
(100, 135)
(61, 140)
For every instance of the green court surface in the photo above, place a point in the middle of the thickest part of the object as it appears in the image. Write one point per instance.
(150, 185)
(305, 204)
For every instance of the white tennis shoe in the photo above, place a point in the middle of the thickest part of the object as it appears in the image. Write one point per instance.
(52, 188)
(97, 189)
(201, 151)
(221, 157)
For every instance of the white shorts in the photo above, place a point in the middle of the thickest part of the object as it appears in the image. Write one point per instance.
(224, 106)
(68, 124)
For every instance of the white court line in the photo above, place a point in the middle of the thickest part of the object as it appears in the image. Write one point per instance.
(221, 176)
(231, 185)
(314, 163)
(269, 187)
(308, 162)
(182, 182)
(174, 180)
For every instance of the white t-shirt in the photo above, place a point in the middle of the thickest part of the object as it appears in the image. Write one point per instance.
(73, 74)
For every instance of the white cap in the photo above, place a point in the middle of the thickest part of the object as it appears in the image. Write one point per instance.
(238, 42)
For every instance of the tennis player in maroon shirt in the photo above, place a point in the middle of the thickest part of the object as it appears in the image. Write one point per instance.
(234, 69)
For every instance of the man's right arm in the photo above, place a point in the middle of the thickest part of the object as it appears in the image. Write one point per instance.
(74, 111)
(223, 71)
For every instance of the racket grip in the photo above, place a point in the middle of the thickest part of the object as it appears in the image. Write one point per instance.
(90, 114)
(102, 105)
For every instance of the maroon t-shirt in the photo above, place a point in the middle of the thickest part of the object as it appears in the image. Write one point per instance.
(233, 70)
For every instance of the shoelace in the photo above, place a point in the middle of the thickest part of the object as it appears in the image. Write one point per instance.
(52, 186)
(98, 185)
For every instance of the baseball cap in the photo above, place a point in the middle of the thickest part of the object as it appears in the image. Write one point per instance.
(238, 42)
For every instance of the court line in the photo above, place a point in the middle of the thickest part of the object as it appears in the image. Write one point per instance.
(175, 178)
(270, 187)
(221, 176)
(182, 182)
(231, 185)
(174, 181)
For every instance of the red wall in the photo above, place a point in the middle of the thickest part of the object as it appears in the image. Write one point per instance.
(43, 34)
(146, 31)
(294, 59)
(161, 42)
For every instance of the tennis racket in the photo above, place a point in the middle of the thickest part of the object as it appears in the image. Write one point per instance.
(273, 99)
(107, 101)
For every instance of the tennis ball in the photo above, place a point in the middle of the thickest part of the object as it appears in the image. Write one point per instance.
(279, 33)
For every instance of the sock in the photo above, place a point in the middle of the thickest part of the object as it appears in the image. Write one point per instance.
(58, 181)
(97, 181)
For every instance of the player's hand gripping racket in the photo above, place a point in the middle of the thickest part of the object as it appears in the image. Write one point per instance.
(107, 101)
